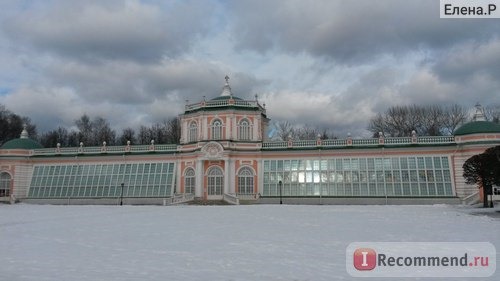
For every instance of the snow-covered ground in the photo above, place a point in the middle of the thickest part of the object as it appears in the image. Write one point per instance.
(258, 242)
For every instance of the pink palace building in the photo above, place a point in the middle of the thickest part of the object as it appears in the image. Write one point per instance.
(224, 154)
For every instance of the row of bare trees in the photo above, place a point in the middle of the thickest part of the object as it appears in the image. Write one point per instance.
(397, 121)
(286, 130)
(432, 120)
(93, 132)
(12, 124)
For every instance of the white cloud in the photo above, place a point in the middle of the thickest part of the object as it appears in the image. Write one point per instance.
(350, 31)
(330, 64)
(95, 30)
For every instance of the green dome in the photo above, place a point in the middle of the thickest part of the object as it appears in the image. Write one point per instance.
(24, 142)
(477, 127)
(21, 143)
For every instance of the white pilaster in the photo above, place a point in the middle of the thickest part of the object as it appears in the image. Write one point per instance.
(228, 127)
(177, 177)
(205, 128)
(226, 176)
(235, 128)
(232, 171)
(260, 176)
(255, 129)
(199, 179)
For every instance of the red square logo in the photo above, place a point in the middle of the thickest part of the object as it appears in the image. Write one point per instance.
(365, 259)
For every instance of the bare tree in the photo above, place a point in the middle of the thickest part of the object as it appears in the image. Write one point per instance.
(433, 120)
(456, 116)
(95, 132)
(128, 134)
(492, 113)
(144, 135)
(102, 132)
(84, 125)
(157, 133)
(377, 124)
(11, 125)
(52, 138)
(173, 130)
(306, 132)
(327, 134)
(285, 130)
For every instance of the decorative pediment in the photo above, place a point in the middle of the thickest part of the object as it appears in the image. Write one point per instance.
(212, 150)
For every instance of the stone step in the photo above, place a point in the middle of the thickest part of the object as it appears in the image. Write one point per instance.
(208, 202)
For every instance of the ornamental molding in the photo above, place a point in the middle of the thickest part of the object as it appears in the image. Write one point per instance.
(212, 150)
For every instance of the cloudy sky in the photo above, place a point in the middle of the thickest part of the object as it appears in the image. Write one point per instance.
(330, 64)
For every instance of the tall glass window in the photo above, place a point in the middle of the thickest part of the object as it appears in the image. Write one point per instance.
(193, 132)
(245, 181)
(103, 180)
(244, 130)
(5, 180)
(215, 181)
(216, 130)
(189, 181)
(394, 176)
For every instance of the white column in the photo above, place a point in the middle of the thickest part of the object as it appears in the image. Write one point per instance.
(255, 131)
(184, 130)
(226, 176)
(228, 127)
(200, 129)
(205, 128)
(199, 179)
(177, 176)
(231, 168)
(260, 176)
(235, 128)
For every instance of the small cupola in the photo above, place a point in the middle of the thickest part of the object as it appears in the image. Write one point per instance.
(226, 90)
(23, 142)
(478, 125)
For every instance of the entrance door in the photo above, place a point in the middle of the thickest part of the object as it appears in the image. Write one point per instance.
(215, 182)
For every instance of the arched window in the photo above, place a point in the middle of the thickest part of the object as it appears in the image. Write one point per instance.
(215, 181)
(5, 180)
(244, 130)
(189, 181)
(245, 181)
(193, 132)
(216, 130)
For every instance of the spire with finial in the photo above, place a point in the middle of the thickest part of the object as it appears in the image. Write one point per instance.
(226, 90)
(24, 133)
(479, 114)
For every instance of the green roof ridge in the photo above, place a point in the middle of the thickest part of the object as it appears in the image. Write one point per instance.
(477, 127)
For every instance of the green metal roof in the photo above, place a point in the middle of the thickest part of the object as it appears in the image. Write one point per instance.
(477, 127)
(21, 143)
(226, 98)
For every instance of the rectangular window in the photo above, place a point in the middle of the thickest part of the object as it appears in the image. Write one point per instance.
(102, 180)
(398, 176)
(404, 162)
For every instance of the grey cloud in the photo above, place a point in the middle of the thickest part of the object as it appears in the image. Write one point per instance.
(330, 64)
(351, 31)
(96, 30)
(466, 61)
(125, 93)
(132, 83)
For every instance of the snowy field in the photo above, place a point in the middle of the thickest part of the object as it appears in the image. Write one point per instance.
(259, 242)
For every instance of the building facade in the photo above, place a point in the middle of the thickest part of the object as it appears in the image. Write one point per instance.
(224, 153)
